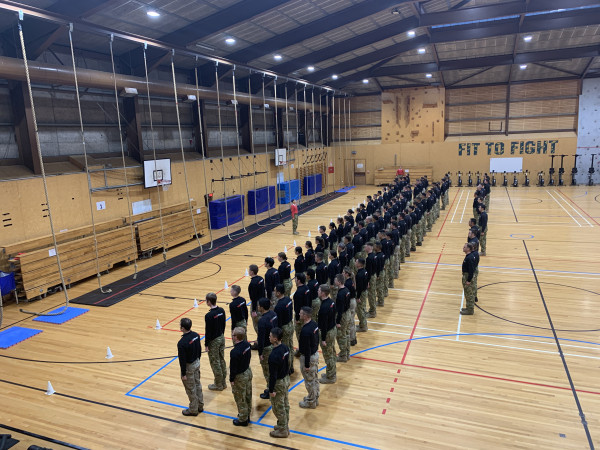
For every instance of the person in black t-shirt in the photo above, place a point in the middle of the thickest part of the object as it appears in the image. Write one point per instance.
(285, 315)
(362, 286)
(313, 286)
(238, 309)
(240, 376)
(256, 290)
(271, 279)
(309, 256)
(267, 322)
(327, 315)
(279, 383)
(308, 345)
(285, 271)
(302, 297)
(299, 266)
(188, 352)
(214, 340)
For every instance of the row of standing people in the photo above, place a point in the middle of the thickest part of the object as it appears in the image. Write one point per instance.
(364, 259)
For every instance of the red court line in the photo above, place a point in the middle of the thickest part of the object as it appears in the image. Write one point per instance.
(185, 312)
(412, 333)
(583, 210)
(447, 214)
(457, 372)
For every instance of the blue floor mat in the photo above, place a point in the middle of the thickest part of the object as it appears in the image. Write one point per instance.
(13, 335)
(69, 314)
(345, 189)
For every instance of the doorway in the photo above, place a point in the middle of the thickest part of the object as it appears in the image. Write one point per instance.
(360, 171)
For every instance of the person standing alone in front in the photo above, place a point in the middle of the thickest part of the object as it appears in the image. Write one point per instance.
(188, 352)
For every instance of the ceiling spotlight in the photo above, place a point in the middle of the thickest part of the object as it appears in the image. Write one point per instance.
(277, 57)
(411, 33)
(527, 38)
(153, 13)
(365, 81)
(334, 77)
(428, 75)
(523, 66)
(311, 68)
(396, 12)
(230, 41)
(421, 51)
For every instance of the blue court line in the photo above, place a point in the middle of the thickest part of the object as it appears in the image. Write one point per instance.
(508, 268)
(128, 394)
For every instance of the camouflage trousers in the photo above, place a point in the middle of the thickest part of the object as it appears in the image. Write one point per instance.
(429, 218)
(486, 202)
(483, 241)
(396, 260)
(316, 304)
(193, 387)
(255, 321)
(295, 224)
(281, 405)
(288, 339)
(241, 323)
(329, 353)
(444, 199)
(361, 310)
(264, 362)
(242, 394)
(216, 356)
(287, 284)
(372, 291)
(380, 288)
(351, 320)
(470, 291)
(413, 237)
(343, 338)
(476, 215)
(311, 378)
(389, 274)
(419, 234)
(333, 290)
(407, 242)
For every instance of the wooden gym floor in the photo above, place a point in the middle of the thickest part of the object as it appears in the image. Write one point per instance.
(422, 377)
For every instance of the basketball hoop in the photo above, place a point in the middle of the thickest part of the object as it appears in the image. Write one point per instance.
(164, 183)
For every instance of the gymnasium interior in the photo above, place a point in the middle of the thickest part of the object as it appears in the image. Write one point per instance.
(150, 151)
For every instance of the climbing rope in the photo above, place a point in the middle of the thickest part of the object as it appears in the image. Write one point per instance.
(129, 207)
(39, 151)
(187, 187)
(162, 231)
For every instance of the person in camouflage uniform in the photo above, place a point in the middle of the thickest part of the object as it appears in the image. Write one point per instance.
(240, 376)
(469, 266)
(279, 383)
(214, 341)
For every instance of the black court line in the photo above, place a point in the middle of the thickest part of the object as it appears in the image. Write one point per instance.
(153, 416)
(511, 205)
(562, 356)
(43, 438)
(528, 325)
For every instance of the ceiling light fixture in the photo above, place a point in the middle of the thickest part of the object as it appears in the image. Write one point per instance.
(411, 33)
(153, 13)
(311, 68)
(428, 75)
(421, 51)
(277, 57)
(230, 41)
(334, 77)
(365, 81)
(396, 12)
(523, 66)
(527, 38)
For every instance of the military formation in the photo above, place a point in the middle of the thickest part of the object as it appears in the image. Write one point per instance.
(475, 245)
(344, 274)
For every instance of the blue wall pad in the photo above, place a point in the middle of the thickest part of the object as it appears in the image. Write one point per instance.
(7, 282)
(217, 213)
(260, 200)
(309, 185)
(13, 335)
(319, 182)
(288, 191)
(69, 314)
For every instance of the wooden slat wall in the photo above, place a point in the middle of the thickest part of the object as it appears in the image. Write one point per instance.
(365, 118)
(545, 106)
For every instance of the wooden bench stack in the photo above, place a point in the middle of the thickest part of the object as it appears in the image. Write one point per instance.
(386, 175)
(35, 263)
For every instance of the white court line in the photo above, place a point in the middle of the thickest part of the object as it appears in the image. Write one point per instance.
(457, 205)
(563, 207)
(573, 208)
(422, 292)
(465, 207)
(508, 338)
(462, 299)
(553, 352)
